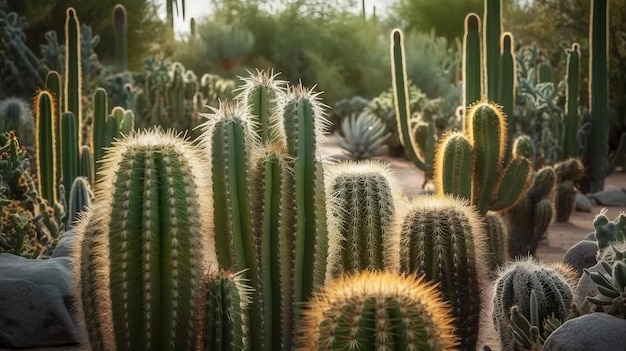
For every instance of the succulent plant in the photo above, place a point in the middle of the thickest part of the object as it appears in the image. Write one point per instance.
(363, 136)
(378, 310)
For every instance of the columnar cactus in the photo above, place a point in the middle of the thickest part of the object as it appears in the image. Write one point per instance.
(552, 285)
(506, 93)
(567, 172)
(378, 310)
(570, 133)
(73, 78)
(472, 66)
(361, 218)
(80, 200)
(143, 251)
(498, 238)
(443, 239)
(121, 28)
(529, 219)
(492, 28)
(45, 113)
(69, 150)
(226, 322)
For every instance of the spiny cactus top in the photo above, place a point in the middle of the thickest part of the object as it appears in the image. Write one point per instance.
(145, 248)
(378, 311)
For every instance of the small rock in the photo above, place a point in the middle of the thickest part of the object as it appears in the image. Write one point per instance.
(591, 332)
(582, 203)
(581, 255)
(591, 236)
(64, 246)
(36, 302)
(613, 197)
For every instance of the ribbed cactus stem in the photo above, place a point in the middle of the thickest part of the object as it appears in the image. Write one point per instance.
(98, 136)
(260, 94)
(53, 85)
(491, 46)
(85, 164)
(80, 199)
(145, 248)
(69, 150)
(45, 111)
(361, 215)
(506, 94)
(454, 166)
(552, 284)
(378, 311)
(443, 239)
(303, 123)
(73, 78)
(472, 66)
(570, 141)
(120, 26)
(227, 325)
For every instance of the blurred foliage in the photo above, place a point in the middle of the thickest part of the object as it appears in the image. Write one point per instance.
(146, 32)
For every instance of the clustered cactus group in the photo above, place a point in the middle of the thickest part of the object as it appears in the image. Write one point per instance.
(245, 238)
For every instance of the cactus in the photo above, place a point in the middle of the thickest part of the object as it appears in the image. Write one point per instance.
(529, 219)
(80, 199)
(361, 213)
(226, 322)
(471, 166)
(143, 251)
(444, 240)
(568, 172)
(506, 92)
(378, 310)
(610, 287)
(492, 28)
(526, 331)
(607, 232)
(45, 113)
(364, 136)
(69, 150)
(15, 115)
(472, 67)
(552, 285)
(598, 167)
(121, 27)
(498, 237)
(73, 79)
(572, 120)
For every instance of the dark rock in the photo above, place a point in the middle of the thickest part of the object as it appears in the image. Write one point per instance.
(582, 203)
(64, 246)
(613, 197)
(581, 255)
(36, 302)
(591, 332)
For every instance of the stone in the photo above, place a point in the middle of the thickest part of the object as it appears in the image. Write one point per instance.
(36, 303)
(582, 203)
(64, 245)
(581, 255)
(586, 285)
(613, 197)
(591, 332)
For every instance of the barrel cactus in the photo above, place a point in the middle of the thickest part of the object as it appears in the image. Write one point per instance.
(143, 251)
(378, 310)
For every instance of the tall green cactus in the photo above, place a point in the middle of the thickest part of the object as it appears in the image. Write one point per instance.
(227, 324)
(69, 151)
(378, 311)
(472, 64)
(492, 28)
(73, 78)
(471, 165)
(45, 113)
(80, 200)
(443, 239)
(143, 251)
(529, 219)
(552, 285)
(53, 85)
(570, 140)
(361, 207)
(260, 95)
(120, 26)
(506, 93)
(597, 164)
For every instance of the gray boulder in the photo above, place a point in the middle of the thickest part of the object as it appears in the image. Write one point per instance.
(612, 197)
(581, 255)
(64, 246)
(582, 203)
(591, 332)
(36, 303)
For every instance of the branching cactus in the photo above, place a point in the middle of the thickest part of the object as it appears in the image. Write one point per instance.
(226, 322)
(144, 249)
(529, 219)
(443, 239)
(552, 285)
(568, 172)
(378, 310)
(361, 218)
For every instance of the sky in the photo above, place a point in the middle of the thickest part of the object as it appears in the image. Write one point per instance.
(200, 8)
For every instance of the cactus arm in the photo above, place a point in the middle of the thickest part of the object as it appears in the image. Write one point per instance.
(472, 67)
(454, 166)
(513, 183)
(401, 98)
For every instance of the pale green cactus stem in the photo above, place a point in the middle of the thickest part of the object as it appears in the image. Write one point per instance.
(303, 122)
(144, 250)
(378, 311)
(45, 112)
(361, 218)
(553, 286)
(443, 239)
(227, 326)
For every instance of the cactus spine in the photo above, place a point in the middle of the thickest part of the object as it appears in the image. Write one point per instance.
(552, 286)
(145, 248)
(45, 112)
(361, 215)
(444, 240)
(378, 310)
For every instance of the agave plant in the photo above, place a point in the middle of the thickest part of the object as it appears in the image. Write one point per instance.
(363, 136)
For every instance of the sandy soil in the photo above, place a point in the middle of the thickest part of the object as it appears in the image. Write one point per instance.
(560, 236)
